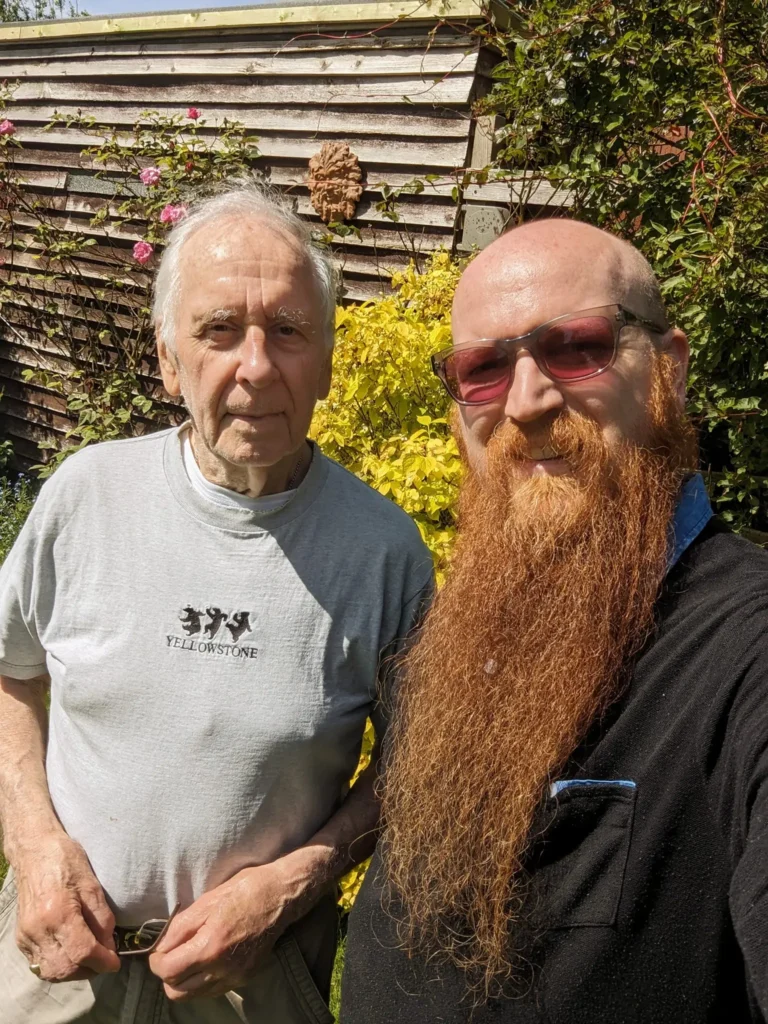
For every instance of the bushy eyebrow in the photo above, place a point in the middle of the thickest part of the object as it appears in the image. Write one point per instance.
(284, 314)
(292, 316)
(213, 316)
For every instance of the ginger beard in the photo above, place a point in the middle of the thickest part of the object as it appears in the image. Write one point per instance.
(550, 594)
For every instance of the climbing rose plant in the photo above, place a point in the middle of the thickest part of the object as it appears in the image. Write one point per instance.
(90, 292)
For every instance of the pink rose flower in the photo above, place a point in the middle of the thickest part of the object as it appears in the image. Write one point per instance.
(142, 252)
(171, 214)
(7, 127)
(193, 113)
(150, 176)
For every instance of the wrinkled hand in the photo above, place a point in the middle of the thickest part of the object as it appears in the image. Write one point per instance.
(64, 922)
(214, 945)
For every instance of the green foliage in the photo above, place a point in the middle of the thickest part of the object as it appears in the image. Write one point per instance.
(38, 10)
(109, 405)
(91, 295)
(16, 500)
(653, 114)
(385, 418)
(338, 969)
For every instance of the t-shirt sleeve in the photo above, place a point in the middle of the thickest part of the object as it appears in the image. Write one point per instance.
(414, 609)
(23, 587)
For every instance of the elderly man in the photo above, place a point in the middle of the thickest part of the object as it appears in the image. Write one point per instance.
(211, 607)
(577, 784)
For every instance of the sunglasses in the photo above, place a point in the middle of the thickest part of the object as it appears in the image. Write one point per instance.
(131, 942)
(568, 348)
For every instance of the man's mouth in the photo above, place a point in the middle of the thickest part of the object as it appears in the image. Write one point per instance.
(251, 415)
(546, 454)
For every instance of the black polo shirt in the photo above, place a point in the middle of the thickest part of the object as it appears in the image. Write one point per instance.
(650, 882)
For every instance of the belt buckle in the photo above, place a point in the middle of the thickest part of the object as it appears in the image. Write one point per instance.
(128, 943)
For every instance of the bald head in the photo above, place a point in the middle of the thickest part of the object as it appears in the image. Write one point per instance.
(545, 268)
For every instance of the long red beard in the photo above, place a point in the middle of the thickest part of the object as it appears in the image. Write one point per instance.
(550, 594)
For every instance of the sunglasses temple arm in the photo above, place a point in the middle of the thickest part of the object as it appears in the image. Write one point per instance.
(166, 926)
(149, 949)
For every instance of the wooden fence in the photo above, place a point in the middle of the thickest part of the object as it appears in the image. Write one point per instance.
(396, 81)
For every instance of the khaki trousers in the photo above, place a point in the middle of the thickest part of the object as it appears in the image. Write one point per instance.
(282, 991)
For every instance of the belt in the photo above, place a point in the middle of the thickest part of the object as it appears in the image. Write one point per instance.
(142, 940)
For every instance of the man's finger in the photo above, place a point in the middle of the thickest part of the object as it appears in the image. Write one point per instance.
(84, 949)
(185, 960)
(196, 985)
(181, 929)
(55, 965)
(101, 922)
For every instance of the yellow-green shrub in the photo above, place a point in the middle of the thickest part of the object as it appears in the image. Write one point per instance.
(385, 418)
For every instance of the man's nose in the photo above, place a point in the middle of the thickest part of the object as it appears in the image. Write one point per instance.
(531, 394)
(255, 364)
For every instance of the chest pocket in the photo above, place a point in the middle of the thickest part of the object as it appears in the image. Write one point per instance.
(578, 864)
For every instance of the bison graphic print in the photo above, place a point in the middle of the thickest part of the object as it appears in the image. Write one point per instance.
(202, 627)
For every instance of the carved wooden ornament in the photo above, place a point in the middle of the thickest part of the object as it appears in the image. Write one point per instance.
(335, 182)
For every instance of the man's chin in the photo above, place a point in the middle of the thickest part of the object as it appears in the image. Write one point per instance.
(242, 423)
(244, 442)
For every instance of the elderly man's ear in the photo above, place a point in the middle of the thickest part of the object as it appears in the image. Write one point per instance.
(675, 344)
(169, 368)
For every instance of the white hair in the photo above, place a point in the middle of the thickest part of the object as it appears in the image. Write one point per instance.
(243, 199)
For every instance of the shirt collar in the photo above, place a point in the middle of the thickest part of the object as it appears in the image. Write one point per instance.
(691, 516)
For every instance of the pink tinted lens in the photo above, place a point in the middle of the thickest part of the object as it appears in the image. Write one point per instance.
(577, 348)
(477, 375)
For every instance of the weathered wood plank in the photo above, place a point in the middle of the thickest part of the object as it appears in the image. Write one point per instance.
(36, 397)
(264, 15)
(530, 190)
(14, 386)
(407, 37)
(88, 273)
(26, 453)
(262, 119)
(441, 61)
(26, 288)
(362, 291)
(420, 89)
(28, 349)
(429, 214)
(432, 153)
(382, 237)
(39, 174)
(26, 427)
(18, 317)
(31, 158)
(35, 353)
(12, 369)
(98, 271)
(109, 258)
(40, 415)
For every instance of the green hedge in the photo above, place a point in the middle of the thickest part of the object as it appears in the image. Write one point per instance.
(654, 115)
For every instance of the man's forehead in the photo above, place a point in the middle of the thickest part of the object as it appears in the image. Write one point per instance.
(251, 242)
(238, 266)
(516, 293)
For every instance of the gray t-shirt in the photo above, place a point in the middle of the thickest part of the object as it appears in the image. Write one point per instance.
(211, 668)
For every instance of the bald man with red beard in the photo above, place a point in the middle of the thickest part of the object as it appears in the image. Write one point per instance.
(576, 784)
